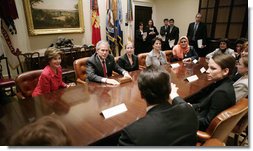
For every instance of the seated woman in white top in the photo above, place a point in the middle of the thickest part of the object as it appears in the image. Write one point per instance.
(223, 48)
(241, 85)
(156, 56)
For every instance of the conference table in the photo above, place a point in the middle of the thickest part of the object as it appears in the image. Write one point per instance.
(79, 107)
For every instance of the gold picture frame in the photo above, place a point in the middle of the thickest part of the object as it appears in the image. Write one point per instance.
(54, 16)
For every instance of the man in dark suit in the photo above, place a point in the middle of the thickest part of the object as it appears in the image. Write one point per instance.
(164, 30)
(173, 33)
(101, 64)
(168, 122)
(197, 32)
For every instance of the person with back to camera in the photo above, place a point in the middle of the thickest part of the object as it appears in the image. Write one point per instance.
(183, 51)
(220, 67)
(169, 120)
(101, 64)
(156, 56)
(129, 61)
(51, 76)
(46, 131)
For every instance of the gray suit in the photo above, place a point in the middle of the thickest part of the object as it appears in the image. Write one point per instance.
(241, 87)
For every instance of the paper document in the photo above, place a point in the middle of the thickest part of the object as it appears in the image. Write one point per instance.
(114, 110)
(175, 65)
(144, 36)
(192, 78)
(200, 43)
(202, 70)
(171, 42)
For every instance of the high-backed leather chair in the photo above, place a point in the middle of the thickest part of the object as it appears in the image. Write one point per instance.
(142, 60)
(168, 54)
(241, 130)
(80, 66)
(223, 123)
(26, 83)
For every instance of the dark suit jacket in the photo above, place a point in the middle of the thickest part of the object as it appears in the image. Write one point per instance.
(95, 70)
(174, 34)
(164, 125)
(200, 33)
(140, 44)
(125, 64)
(222, 97)
(150, 37)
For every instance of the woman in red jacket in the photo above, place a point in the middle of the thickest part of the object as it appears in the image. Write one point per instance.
(51, 76)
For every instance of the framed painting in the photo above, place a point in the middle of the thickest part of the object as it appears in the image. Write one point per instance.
(54, 16)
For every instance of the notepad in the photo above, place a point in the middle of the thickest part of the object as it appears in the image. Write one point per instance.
(192, 78)
(195, 61)
(175, 65)
(107, 113)
(202, 70)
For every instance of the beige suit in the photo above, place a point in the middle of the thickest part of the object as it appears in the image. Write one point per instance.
(241, 87)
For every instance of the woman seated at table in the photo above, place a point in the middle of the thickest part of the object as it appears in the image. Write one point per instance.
(222, 96)
(183, 51)
(223, 48)
(129, 61)
(51, 76)
(241, 85)
(156, 56)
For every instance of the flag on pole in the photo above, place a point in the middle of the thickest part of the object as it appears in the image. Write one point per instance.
(95, 22)
(118, 24)
(110, 26)
(129, 20)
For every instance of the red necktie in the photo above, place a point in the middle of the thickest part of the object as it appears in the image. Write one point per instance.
(104, 68)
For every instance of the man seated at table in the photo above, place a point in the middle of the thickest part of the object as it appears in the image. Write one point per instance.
(169, 121)
(101, 64)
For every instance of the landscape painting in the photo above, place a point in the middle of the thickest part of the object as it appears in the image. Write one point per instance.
(54, 16)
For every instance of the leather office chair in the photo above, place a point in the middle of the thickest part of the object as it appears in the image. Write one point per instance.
(168, 54)
(223, 123)
(6, 82)
(142, 60)
(26, 83)
(80, 66)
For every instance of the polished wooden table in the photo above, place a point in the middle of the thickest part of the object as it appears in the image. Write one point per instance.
(79, 107)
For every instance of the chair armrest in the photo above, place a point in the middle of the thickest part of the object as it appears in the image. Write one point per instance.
(80, 81)
(214, 142)
(203, 136)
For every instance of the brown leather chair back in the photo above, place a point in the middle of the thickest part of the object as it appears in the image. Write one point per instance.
(142, 59)
(80, 66)
(26, 83)
(168, 54)
(223, 123)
